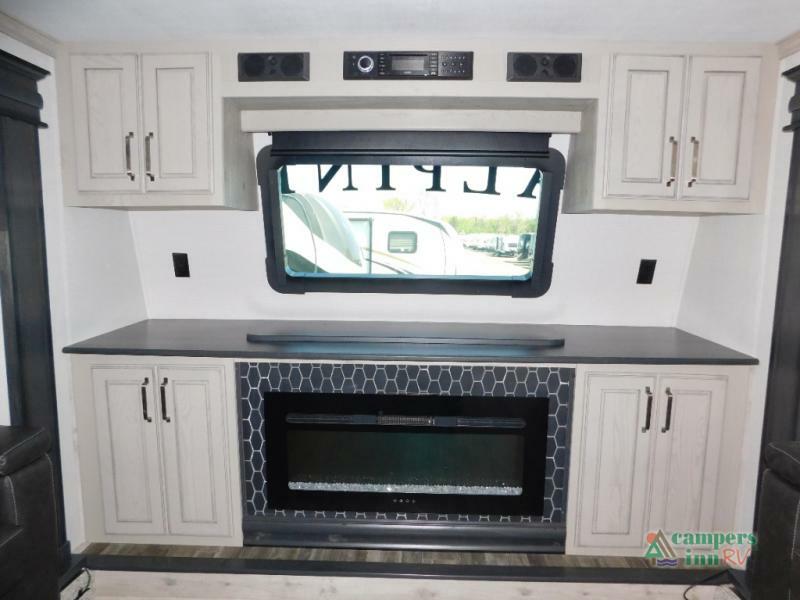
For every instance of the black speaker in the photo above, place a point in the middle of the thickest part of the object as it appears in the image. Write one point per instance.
(543, 66)
(273, 66)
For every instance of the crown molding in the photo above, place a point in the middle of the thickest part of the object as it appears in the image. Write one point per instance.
(19, 98)
(27, 35)
(789, 45)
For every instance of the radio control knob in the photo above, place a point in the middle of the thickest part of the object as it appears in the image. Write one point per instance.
(365, 63)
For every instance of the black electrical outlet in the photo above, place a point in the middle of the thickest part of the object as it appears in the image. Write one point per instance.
(180, 262)
(647, 268)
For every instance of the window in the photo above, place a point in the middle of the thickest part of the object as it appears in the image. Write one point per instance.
(402, 242)
(410, 212)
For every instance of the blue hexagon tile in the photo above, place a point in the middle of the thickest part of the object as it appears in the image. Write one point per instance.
(258, 379)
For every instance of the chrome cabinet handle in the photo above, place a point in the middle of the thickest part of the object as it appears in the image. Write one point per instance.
(128, 167)
(647, 418)
(673, 165)
(147, 160)
(668, 421)
(146, 417)
(695, 156)
(164, 416)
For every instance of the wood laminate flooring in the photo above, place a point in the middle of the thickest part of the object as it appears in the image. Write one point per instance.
(113, 585)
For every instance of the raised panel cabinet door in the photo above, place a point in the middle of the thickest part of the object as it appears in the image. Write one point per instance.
(688, 441)
(177, 129)
(192, 421)
(644, 129)
(106, 121)
(127, 446)
(720, 127)
(613, 496)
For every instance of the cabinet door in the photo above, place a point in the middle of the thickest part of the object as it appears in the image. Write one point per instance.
(127, 445)
(192, 422)
(720, 127)
(645, 126)
(688, 439)
(613, 496)
(177, 148)
(106, 120)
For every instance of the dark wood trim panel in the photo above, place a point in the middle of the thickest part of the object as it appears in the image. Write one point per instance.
(782, 407)
(782, 413)
(23, 265)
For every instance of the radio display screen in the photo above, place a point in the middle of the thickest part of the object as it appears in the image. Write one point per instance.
(407, 62)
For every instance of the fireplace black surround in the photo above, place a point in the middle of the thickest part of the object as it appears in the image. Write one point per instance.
(329, 386)
(431, 454)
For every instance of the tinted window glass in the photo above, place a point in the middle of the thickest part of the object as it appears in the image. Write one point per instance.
(405, 221)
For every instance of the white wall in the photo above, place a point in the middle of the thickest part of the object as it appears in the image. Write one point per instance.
(596, 258)
(731, 285)
(93, 277)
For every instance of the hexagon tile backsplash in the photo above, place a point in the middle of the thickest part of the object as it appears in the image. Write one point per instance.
(259, 378)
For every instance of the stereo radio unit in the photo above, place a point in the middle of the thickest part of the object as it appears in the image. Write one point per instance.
(408, 65)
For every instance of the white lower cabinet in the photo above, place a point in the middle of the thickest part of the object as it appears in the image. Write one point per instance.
(647, 449)
(128, 450)
(616, 460)
(162, 437)
(192, 442)
(688, 437)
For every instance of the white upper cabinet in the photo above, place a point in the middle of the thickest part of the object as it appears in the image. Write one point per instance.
(680, 135)
(720, 127)
(107, 132)
(148, 134)
(175, 97)
(646, 106)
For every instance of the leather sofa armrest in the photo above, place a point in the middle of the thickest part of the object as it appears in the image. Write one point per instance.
(21, 446)
(794, 577)
(784, 459)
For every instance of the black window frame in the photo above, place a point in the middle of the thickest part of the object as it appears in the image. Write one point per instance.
(529, 150)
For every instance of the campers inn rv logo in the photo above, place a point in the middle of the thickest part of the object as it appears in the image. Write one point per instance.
(699, 549)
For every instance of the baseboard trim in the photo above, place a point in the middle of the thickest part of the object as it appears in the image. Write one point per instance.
(76, 564)
(407, 571)
(739, 580)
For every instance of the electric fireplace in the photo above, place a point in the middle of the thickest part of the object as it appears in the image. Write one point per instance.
(403, 454)
(430, 454)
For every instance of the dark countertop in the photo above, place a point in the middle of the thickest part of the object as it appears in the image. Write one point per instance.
(583, 343)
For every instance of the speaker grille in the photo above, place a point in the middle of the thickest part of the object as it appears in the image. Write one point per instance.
(273, 66)
(543, 66)
(253, 65)
(292, 64)
(525, 64)
(565, 66)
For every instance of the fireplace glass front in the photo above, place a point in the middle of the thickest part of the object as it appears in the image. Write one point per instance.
(443, 454)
